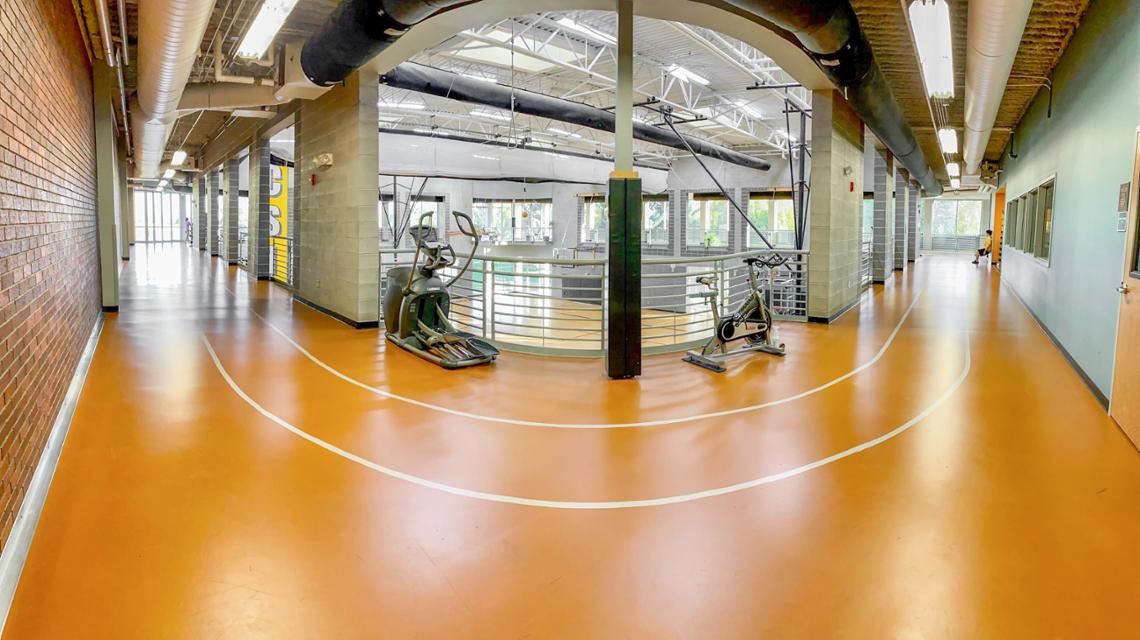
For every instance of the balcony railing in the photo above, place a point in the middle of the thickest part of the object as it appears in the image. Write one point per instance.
(281, 259)
(557, 306)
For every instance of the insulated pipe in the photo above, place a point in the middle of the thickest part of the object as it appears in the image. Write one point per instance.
(224, 95)
(168, 46)
(445, 84)
(993, 34)
(105, 32)
(359, 30)
(125, 47)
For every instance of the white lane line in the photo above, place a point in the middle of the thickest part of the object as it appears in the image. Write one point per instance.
(615, 504)
(607, 425)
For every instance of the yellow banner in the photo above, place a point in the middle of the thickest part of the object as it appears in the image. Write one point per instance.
(279, 220)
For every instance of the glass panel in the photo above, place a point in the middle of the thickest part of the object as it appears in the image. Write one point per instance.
(869, 219)
(944, 218)
(655, 221)
(1029, 222)
(595, 219)
(759, 212)
(1046, 223)
(785, 235)
(969, 218)
(139, 200)
(1010, 221)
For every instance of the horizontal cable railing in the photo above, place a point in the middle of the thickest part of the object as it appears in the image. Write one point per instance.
(281, 259)
(955, 243)
(866, 260)
(557, 306)
(243, 247)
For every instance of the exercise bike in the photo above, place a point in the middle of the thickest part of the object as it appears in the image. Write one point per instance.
(417, 303)
(751, 323)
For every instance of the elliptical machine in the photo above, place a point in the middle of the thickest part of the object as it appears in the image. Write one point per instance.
(752, 322)
(417, 303)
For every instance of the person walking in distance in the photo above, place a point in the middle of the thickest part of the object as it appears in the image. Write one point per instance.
(987, 246)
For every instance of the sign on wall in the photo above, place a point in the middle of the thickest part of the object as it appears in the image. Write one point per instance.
(279, 220)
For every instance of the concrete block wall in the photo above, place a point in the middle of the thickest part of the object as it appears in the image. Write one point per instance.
(337, 219)
(260, 184)
(883, 227)
(230, 193)
(912, 242)
(836, 220)
(902, 218)
(49, 271)
(213, 215)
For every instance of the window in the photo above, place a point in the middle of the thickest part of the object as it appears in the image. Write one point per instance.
(775, 213)
(707, 223)
(869, 217)
(969, 218)
(1029, 221)
(595, 220)
(1011, 223)
(956, 218)
(655, 219)
(514, 220)
(395, 215)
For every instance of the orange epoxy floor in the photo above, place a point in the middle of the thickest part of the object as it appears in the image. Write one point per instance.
(998, 501)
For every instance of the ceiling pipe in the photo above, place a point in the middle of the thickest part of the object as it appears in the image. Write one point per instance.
(993, 35)
(168, 46)
(125, 59)
(445, 84)
(215, 96)
(828, 30)
(105, 32)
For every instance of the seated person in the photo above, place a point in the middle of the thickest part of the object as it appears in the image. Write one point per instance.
(987, 247)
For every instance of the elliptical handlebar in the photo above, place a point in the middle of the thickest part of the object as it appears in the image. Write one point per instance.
(466, 226)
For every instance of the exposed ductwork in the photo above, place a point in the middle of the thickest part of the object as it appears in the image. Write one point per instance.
(215, 96)
(168, 46)
(359, 30)
(993, 36)
(423, 79)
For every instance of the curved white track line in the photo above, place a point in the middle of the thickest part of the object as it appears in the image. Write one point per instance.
(608, 425)
(615, 504)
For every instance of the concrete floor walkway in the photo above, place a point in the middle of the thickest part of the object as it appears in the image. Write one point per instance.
(240, 466)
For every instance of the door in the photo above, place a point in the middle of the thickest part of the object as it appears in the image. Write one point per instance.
(999, 223)
(1125, 407)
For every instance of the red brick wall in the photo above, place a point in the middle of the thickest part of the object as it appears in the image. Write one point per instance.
(49, 271)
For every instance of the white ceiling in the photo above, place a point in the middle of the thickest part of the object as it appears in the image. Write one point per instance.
(573, 55)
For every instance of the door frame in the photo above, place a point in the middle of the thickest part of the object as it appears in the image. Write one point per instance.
(1128, 270)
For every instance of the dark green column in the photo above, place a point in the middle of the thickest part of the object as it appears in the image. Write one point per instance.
(623, 340)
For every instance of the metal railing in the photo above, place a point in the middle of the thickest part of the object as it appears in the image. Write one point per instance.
(965, 244)
(243, 247)
(557, 306)
(866, 260)
(281, 259)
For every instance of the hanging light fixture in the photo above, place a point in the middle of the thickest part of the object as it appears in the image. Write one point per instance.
(930, 23)
(948, 140)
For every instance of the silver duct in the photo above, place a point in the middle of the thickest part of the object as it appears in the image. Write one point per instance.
(168, 45)
(993, 34)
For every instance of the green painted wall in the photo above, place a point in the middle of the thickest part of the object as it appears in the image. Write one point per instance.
(1089, 145)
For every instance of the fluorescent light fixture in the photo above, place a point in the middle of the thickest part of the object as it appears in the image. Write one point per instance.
(404, 106)
(683, 74)
(264, 28)
(930, 22)
(435, 132)
(749, 109)
(484, 157)
(562, 132)
(953, 169)
(480, 78)
(955, 183)
(948, 140)
(490, 115)
(587, 31)
(168, 174)
(162, 184)
(178, 158)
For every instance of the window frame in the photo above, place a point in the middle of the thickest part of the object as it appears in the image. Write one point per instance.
(600, 230)
(515, 218)
(706, 227)
(645, 238)
(1030, 219)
